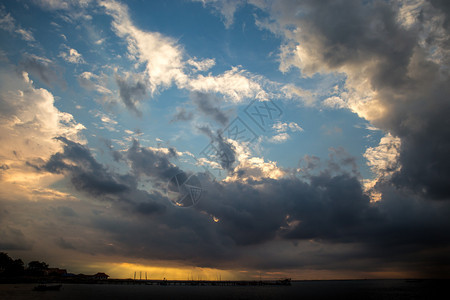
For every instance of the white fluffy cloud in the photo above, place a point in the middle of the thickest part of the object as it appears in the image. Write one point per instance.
(72, 56)
(202, 65)
(383, 159)
(250, 167)
(394, 57)
(29, 123)
(161, 55)
(306, 97)
(283, 130)
(234, 84)
(166, 64)
(334, 102)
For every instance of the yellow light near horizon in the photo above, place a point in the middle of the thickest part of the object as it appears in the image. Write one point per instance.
(128, 270)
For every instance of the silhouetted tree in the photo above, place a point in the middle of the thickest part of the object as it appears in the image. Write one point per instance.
(16, 268)
(5, 262)
(37, 268)
(10, 267)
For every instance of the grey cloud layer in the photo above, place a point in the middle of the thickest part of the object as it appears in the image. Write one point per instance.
(42, 68)
(131, 93)
(95, 179)
(226, 153)
(329, 207)
(366, 40)
(258, 220)
(207, 104)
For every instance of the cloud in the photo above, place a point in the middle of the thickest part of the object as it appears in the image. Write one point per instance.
(61, 242)
(8, 23)
(25, 34)
(72, 56)
(93, 82)
(43, 68)
(165, 63)
(108, 122)
(395, 59)
(324, 207)
(282, 130)
(308, 98)
(252, 168)
(262, 216)
(280, 137)
(383, 159)
(259, 212)
(334, 102)
(61, 5)
(234, 84)
(29, 123)
(206, 103)
(203, 65)
(155, 164)
(221, 149)
(53, 5)
(131, 93)
(86, 173)
(160, 55)
(95, 179)
(90, 176)
(182, 115)
(225, 8)
(14, 239)
(250, 213)
(283, 127)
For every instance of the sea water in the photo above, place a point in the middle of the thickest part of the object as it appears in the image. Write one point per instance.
(338, 289)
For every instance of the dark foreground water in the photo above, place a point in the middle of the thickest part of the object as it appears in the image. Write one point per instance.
(348, 289)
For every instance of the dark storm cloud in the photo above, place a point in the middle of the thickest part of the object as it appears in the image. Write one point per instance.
(131, 93)
(325, 205)
(225, 152)
(13, 239)
(444, 6)
(44, 69)
(413, 87)
(65, 211)
(145, 161)
(331, 210)
(86, 174)
(207, 105)
(117, 156)
(61, 242)
(89, 176)
(321, 216)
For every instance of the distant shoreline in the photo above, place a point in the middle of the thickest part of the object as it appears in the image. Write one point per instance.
(284, 282)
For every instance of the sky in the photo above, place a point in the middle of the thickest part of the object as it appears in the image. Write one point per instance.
(227, 139)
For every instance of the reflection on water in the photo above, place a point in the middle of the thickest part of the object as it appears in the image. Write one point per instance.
(350, 289)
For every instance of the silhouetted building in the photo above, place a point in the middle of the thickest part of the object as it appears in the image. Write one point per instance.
(101, 276)
(56, 272)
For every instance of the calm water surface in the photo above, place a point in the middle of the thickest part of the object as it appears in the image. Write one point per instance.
(351, 289)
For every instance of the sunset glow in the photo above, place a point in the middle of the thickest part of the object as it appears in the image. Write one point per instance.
(232, 140)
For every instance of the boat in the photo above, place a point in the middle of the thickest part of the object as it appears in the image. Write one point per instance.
(285, 281)
(45, 287)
